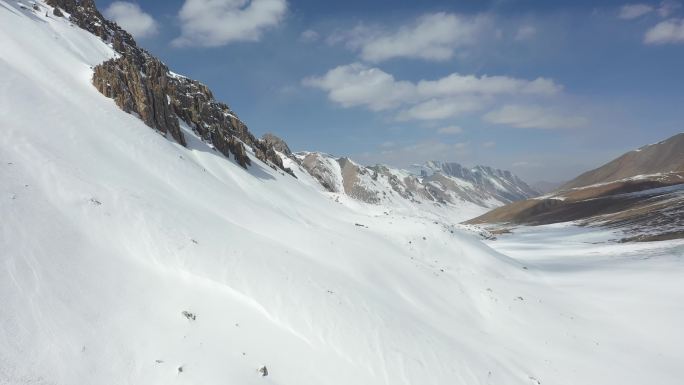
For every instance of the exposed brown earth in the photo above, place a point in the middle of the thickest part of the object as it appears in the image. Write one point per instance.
(641, 193)
(663, 157)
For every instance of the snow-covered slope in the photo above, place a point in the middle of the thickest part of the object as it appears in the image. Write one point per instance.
(110, 232)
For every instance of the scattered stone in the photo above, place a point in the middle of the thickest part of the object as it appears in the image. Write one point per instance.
(520, 298)
(95, 202)
(57, 12)
(194, 241)
(159, 361)
(189, 316)
(263, 371)
(180, 369)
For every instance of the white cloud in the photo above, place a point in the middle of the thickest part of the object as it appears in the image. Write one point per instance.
(450, 130)
(309, 35)
(489, 144)
(525, 32)
(132, 18)
(668, 31)
(487, 85)
(443, 108)
(431, 37)
(667, 7)
(520, 116)
(632, 11)
(213, 23)
(358, 85)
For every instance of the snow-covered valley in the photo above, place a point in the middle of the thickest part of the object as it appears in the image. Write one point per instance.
(130, 259)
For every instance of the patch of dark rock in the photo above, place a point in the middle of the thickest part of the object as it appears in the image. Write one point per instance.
(57, 12)
(668, 236)
(180, 369)
(95, 202)
(263, 371)
(190, 316)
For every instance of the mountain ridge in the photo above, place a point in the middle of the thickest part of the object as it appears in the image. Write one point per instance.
(142, 84)
(438, 183)
(664, 156)
(646, 206)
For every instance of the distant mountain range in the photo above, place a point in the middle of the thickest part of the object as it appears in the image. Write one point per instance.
(442, 183)
(640, 192)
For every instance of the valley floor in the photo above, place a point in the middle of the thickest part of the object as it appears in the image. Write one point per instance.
(629, 295)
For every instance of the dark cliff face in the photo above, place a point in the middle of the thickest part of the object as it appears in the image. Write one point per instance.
(140, 83)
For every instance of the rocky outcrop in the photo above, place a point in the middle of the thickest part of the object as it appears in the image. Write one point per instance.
(277, 144)
(141, 84)
(141, 87)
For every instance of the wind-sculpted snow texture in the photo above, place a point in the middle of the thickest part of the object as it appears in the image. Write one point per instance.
(128, 258)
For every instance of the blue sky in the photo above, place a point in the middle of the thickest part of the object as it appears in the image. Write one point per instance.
(547, 89)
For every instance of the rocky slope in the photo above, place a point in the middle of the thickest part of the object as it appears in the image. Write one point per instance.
(141, 84)
(434, 182)
(645, 206)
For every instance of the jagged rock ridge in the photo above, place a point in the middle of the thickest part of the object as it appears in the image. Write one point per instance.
(438, 183)
(140, 83)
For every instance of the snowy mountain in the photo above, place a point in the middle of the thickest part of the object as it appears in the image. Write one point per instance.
(139, 256)
(646, 206)
(443, 184)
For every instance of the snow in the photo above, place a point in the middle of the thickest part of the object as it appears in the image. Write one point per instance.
(110, 232)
